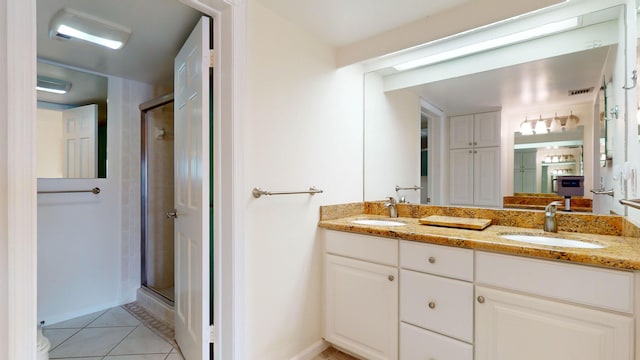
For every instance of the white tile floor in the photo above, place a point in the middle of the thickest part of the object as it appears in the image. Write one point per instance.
(109, 335)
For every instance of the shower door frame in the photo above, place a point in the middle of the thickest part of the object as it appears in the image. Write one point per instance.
(144, 108)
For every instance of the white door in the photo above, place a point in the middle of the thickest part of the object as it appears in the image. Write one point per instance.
(511, 326)
(361, 307)
(461, 175)
(486, 176)
(191, 156)
(80, 146)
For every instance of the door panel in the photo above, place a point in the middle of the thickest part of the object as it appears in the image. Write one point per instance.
(80, 134)
(191, 71)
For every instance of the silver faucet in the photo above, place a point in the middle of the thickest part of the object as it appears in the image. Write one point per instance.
(550, 222)
(393, 209)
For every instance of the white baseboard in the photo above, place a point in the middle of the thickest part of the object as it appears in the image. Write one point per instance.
(312, 351)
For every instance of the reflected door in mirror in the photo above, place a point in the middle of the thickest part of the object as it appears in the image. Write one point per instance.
(67, 142)
(524, 176)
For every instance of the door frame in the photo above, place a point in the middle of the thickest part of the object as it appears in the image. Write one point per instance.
(18, 186)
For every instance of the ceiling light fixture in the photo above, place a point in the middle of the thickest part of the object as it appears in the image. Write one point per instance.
(71, 24)
(521, 36)
(52, 85)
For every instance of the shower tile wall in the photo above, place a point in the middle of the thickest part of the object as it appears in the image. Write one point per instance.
(160, 181)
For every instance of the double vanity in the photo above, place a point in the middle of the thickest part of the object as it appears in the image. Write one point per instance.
(398, 289)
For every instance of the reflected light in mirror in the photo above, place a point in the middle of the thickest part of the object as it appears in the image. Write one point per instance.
(53, 85)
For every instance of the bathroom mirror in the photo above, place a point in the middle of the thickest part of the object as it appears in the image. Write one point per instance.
(71, 128)
(540, 158)
(560, 73)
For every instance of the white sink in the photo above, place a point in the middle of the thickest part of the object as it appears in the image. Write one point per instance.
(377, 222)
(552, 241)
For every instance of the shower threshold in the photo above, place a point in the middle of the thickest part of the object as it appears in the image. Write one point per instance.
(165, 295)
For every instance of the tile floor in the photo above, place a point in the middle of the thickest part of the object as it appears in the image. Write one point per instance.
(333, 354)
(112, 334)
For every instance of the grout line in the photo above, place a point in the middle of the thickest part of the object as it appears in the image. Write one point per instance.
(120, 342)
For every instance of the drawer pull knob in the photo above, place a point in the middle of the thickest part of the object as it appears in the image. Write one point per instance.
(391, 278)
(432, 305)
(432, 260)
(481, 299)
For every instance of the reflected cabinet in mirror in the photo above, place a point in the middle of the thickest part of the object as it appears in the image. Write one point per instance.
(475, 127)
(71, 128)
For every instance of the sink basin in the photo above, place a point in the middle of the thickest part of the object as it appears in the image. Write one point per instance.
(551, 241)
(377, 222)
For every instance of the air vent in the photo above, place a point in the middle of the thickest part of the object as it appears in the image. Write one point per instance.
(580, 91)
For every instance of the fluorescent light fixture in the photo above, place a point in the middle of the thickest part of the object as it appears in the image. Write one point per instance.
(52, 85)
(71, 24)
(490, 44)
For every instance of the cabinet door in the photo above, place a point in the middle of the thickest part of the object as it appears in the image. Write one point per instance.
(529, 159)
(361, 307)
(486, 129)
(511, 326)
(461, 177)
(518, 180)
(486, 171)
(461, 131)
(529, 183)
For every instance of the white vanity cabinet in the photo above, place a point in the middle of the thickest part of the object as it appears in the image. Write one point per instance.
(534, 309)
(397, 299)
(361, 294)
(436, 302)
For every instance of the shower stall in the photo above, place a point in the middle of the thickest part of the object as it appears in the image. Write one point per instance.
(157, 188)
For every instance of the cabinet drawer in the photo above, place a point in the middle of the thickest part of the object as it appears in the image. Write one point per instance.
(364, 247)
(437, 259)
(436, 303)
(603, 288)
(420, 344)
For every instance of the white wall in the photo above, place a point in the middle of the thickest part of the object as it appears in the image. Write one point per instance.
(50, 143)
(304, 127)
(392, 141)
(88, 245)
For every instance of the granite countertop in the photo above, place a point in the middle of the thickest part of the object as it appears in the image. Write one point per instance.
(620, 252)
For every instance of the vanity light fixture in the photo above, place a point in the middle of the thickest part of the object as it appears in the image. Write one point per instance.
(549, 125)
(498, 42)
(71, 24)
(52, 85)
(541, 126)
(526, 128)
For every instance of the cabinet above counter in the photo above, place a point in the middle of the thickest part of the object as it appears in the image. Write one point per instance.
(618, 238)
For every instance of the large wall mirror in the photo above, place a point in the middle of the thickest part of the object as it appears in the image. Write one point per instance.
(71, 127)
(552, 81)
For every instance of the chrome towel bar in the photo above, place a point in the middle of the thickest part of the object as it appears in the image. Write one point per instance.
(634, 203)
(257, 192)
(415, 188)
(95, 190)
(602, 192)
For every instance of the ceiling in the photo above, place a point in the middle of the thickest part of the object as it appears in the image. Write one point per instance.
(344, 22)
(159, 27)
(85, 88)
(534, 84)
